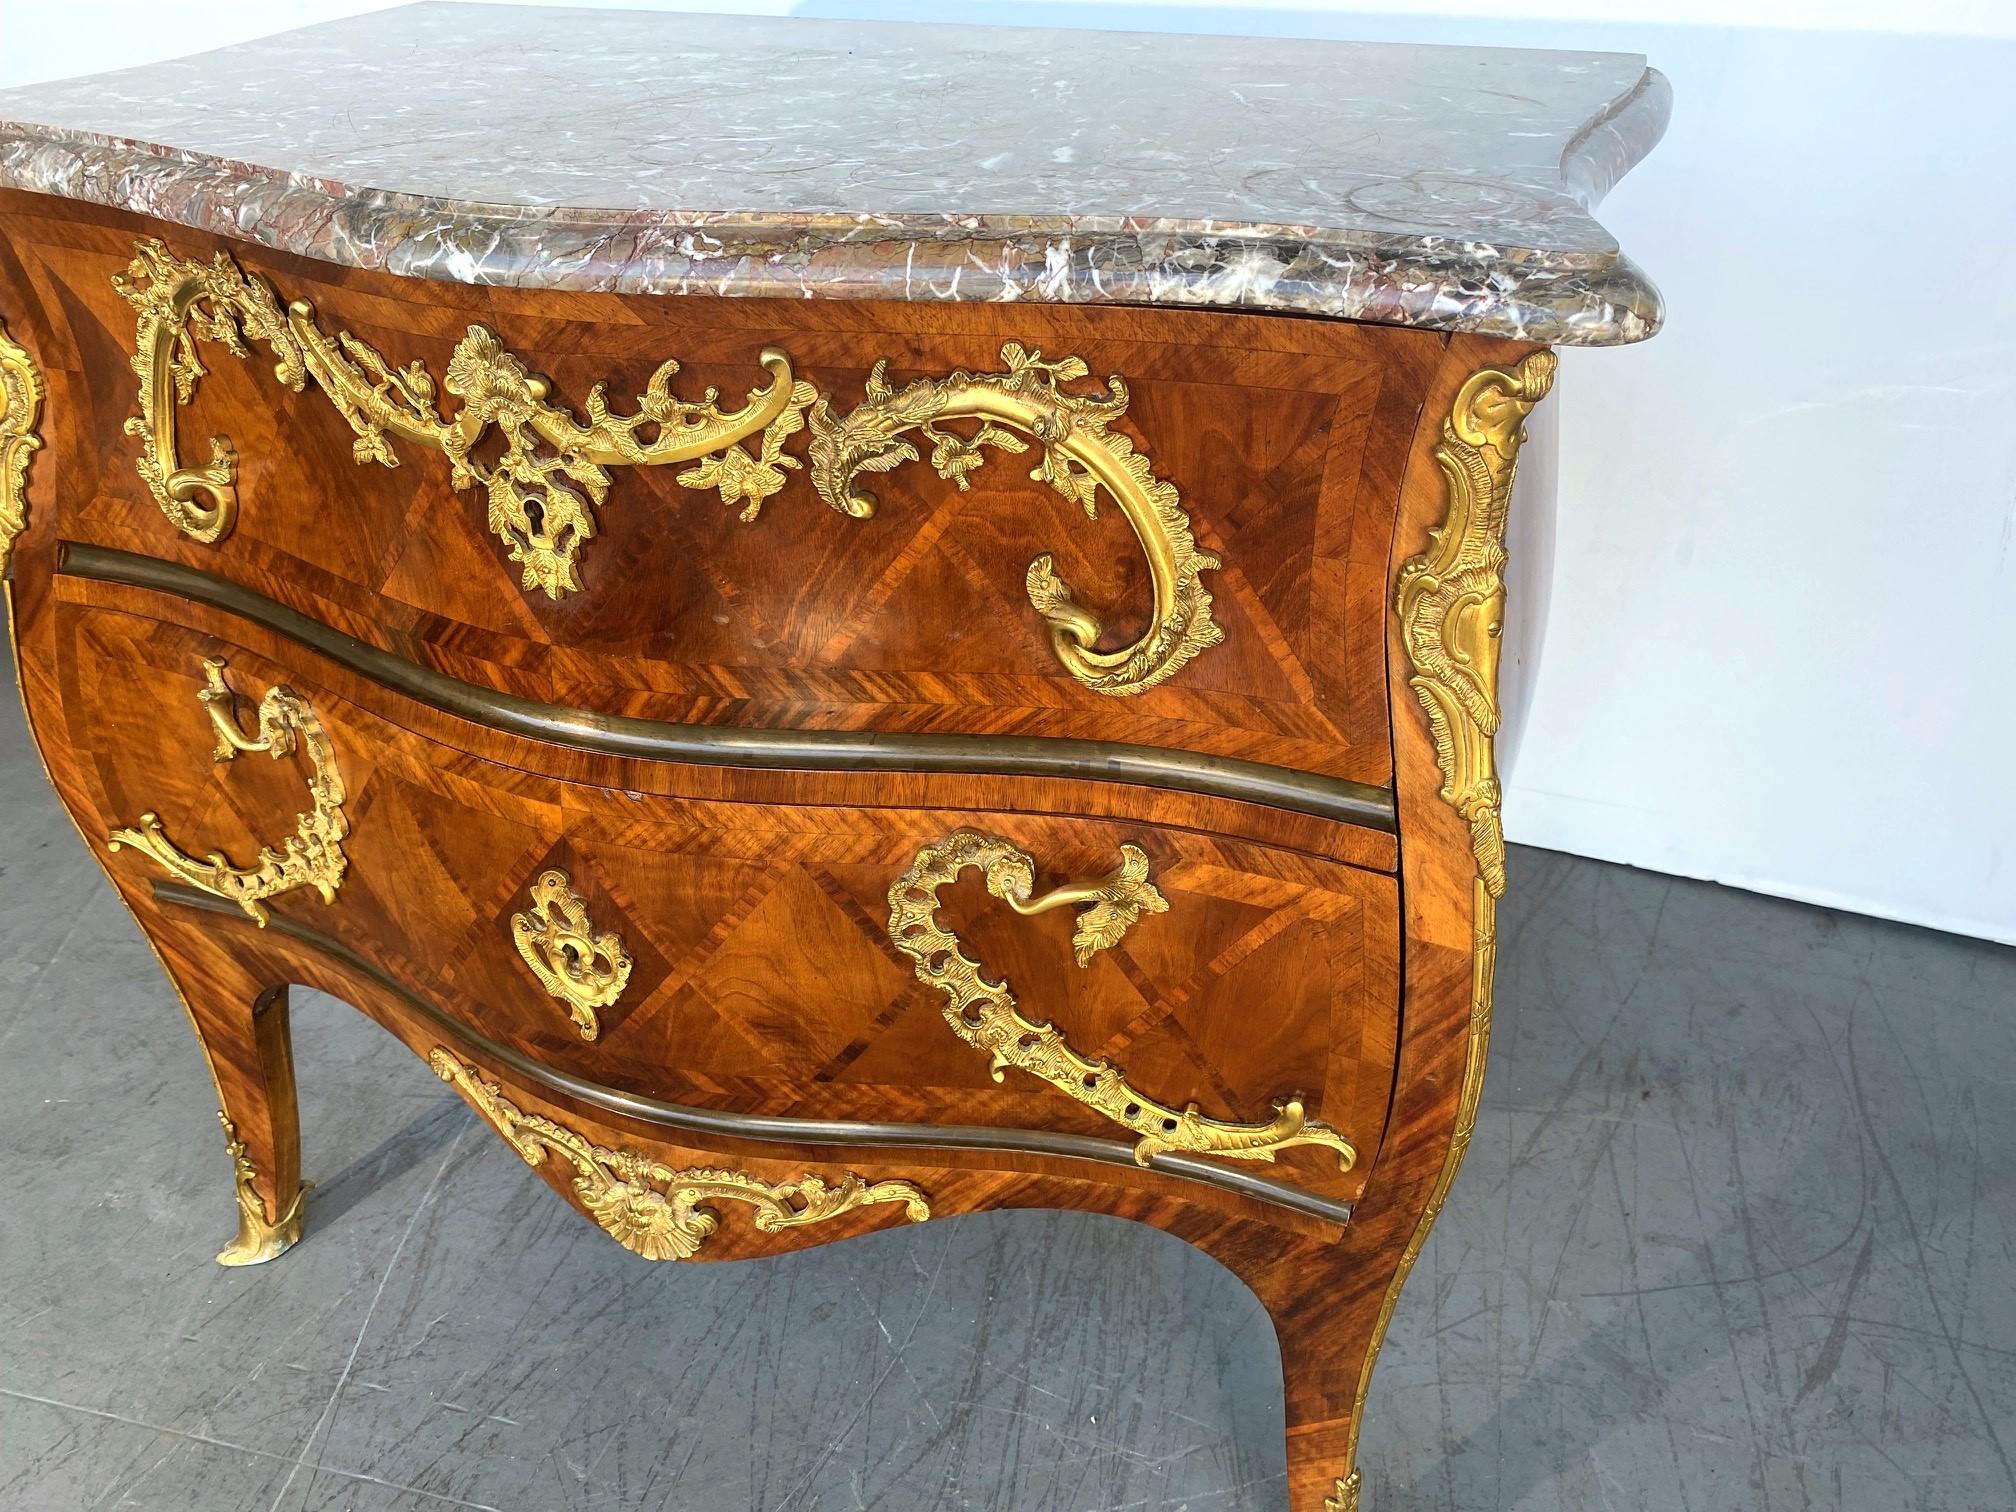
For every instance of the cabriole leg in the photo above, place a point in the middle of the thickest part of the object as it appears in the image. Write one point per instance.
(244, 1030)
(1323, 1347)
(1324, 1299)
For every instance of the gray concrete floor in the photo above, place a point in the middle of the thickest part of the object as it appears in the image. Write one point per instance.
(1737, 1231)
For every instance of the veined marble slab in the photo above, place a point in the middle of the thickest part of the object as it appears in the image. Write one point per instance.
(1445, 187)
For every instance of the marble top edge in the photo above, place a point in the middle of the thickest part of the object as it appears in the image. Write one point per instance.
(751, 219)
(1446, 187)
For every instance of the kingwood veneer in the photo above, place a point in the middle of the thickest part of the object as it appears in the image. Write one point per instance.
(879, 766)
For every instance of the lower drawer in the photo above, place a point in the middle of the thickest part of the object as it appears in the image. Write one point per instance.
(1190, 994)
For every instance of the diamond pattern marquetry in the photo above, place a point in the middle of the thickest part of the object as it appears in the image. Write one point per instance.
(773, 974)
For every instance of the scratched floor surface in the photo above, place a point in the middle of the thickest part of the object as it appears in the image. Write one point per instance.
(1738, 1231)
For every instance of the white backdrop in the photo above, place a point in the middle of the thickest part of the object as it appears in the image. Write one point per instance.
(1779, 575)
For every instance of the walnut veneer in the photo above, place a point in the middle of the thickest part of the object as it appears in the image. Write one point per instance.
(784, 766)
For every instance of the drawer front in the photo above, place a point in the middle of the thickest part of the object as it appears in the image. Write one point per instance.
(1181, 992)
(1162, 528)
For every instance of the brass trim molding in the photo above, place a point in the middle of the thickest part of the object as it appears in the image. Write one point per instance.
(769, 1128)
(1451, 602)
(984, 1014)
(651, 1209)
(583, 970)
(260, 1238)
(544, 485)
(1333, 798)
(21, 392)
(1451, 598)
(312, 856)
(1081, 455)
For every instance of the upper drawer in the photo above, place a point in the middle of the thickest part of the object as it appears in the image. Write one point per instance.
(1161, 528)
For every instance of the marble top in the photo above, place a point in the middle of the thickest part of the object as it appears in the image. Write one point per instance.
(1446, 187)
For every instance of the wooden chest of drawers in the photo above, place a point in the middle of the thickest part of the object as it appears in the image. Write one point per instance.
(795, 766)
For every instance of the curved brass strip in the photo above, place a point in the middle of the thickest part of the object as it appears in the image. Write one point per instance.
(984, 1013)
(21, 390)
(651, 1209)
(543, 485)
(583, 970)
(312, 856)
(259, 1238)
(1331, 798)
(765, 1128)
(1081, 456)
(1451, 601)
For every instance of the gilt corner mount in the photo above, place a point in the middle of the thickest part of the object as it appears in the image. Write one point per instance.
(1451, 598)
(1451, 601)
(21, 390)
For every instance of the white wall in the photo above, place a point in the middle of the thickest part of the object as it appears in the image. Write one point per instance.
(1778, 639)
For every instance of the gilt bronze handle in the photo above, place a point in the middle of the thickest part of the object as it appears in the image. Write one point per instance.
(1082, 456)
(312, 856)
(983, 1012)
